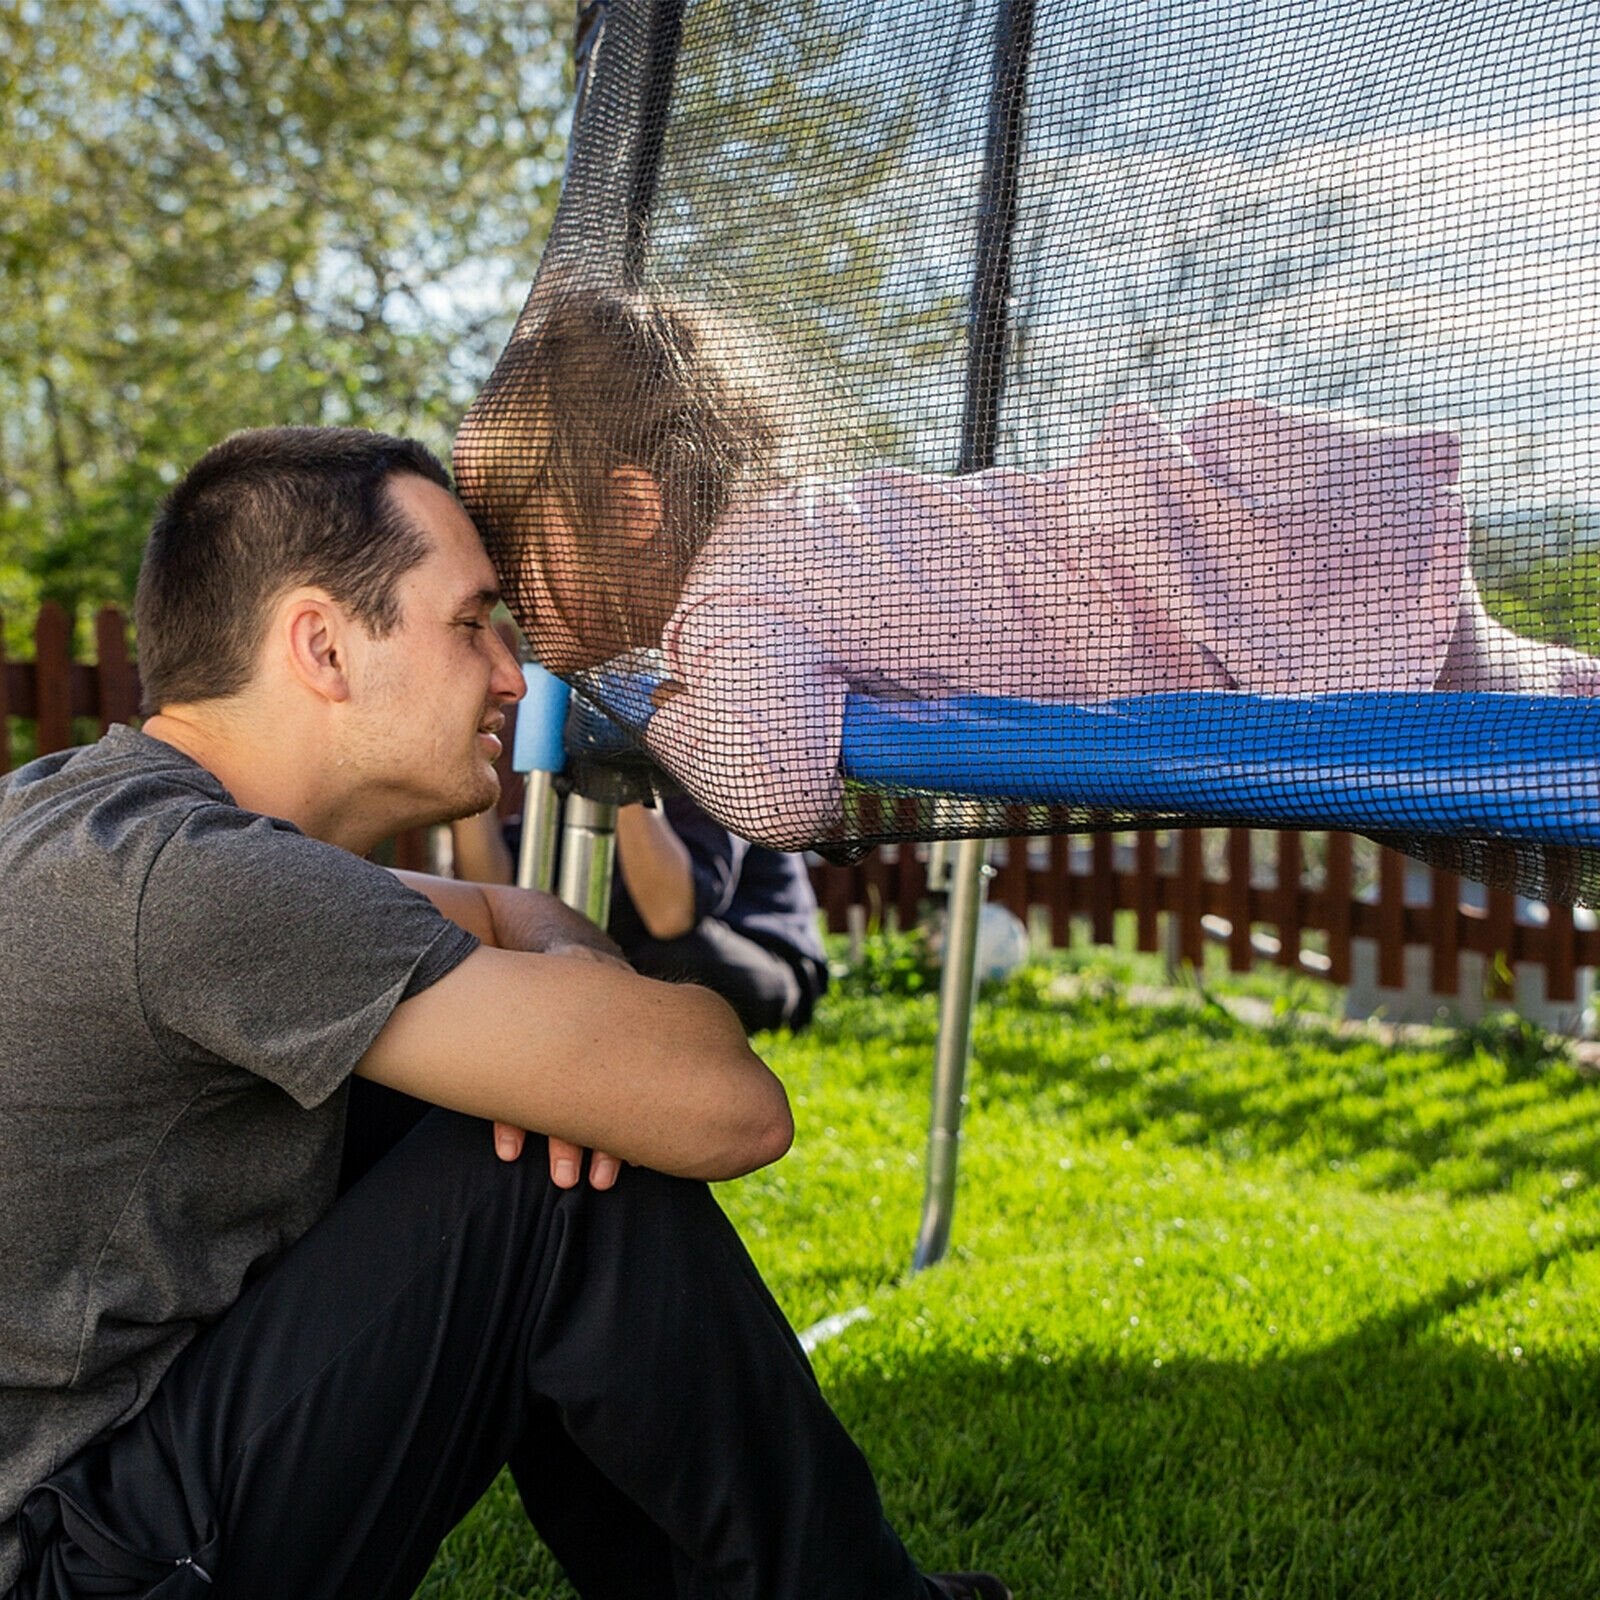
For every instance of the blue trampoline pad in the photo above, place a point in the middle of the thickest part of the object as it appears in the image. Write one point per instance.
(1517, 767)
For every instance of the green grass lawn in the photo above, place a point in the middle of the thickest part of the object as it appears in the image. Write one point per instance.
(1231, 1310)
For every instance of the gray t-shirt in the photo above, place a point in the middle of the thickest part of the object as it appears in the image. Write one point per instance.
(184, 989)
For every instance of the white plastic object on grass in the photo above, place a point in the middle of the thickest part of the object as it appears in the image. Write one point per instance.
(1002, 943)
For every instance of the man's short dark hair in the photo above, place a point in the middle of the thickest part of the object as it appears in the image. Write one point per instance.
(266, 511)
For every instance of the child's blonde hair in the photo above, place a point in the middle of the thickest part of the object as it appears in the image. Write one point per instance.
(601, 379)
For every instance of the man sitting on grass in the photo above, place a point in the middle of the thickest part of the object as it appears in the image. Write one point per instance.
(216, 1378)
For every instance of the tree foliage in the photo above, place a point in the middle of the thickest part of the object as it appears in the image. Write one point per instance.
(226, 213)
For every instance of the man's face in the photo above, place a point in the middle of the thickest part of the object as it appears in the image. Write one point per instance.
(430, 696)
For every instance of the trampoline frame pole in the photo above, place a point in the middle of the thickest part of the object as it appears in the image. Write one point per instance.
(988, 332)
(541, 818)
(958, 987)
(588, 855)
(538, 752)
(666, 35)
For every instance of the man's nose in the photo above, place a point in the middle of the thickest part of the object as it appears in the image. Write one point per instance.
(507, 681)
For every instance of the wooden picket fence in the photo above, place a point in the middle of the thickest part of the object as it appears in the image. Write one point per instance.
(1189, 887)
(66, 701)
(1251, 892)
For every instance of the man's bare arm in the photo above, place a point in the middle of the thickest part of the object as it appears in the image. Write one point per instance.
(658, 1074)
(510, 918)
(527, 919)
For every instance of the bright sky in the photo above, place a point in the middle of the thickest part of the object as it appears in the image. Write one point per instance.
(1390, 206)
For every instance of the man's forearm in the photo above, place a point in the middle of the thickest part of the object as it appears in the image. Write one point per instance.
(510, 918)
(528, 919)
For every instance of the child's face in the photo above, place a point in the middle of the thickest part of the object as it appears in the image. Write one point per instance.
(594, 598)
(565, 630)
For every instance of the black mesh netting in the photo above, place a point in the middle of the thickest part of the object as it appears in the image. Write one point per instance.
(939, 419)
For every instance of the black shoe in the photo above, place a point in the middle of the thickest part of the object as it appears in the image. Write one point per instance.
(968, 1585)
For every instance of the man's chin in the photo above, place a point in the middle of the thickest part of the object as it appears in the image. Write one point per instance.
(471, 803)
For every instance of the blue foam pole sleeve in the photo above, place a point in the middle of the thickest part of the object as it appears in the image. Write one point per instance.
(541, 721)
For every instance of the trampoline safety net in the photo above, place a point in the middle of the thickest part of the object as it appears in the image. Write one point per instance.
(984, 416)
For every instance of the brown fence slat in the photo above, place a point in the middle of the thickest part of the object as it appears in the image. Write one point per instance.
(1560, 965)
(1191, 897)
(1103, 888)
(1500, 977)
(1338, 886)
(911, 885)
(411, 850)
(1061, 890)
(1391, 920)
(1010, 885)
(52, 656)
(837, 892)
(1291, 868)
(1241, 955)
(116, 683)
(1147, 888)
(1444, 954)
(877, 890)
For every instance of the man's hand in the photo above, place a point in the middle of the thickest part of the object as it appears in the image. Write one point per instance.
(528, 919)
(481, 857)
(566, 1158)
(656, 1073)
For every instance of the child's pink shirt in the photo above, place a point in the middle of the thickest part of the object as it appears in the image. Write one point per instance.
(1264, 551)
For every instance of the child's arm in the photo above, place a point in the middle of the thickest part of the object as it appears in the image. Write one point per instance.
(1484, 655)
(751, 721)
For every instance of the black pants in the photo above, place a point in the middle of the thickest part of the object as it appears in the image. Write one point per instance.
(450, 1314)
(765, 989)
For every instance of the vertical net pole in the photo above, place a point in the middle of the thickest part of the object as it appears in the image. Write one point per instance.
(590, 32)
(666, 35)
(988, 335)
(589, 833)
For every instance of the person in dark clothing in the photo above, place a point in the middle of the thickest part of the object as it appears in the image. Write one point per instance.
(693, 903)
(219, 1376)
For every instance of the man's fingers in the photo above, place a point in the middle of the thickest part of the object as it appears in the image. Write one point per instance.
(565, 1158)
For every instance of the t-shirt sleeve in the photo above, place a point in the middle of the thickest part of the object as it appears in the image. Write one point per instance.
(280, 954)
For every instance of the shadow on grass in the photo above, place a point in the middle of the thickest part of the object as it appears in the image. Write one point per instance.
(1461, 1117)
(1389, 1465)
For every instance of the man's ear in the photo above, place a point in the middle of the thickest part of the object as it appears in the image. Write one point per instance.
(637, 498)
(316, 635)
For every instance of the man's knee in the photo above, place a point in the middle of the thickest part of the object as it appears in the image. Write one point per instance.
(448, 1154)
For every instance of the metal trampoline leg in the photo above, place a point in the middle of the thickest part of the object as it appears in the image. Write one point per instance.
(541, 816)
(588, 853)
(956, 992)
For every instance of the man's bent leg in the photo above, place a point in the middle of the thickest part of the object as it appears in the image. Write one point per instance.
(443, 1318)
(760, 986)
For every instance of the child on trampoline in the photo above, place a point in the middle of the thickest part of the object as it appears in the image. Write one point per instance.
(627, 465)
